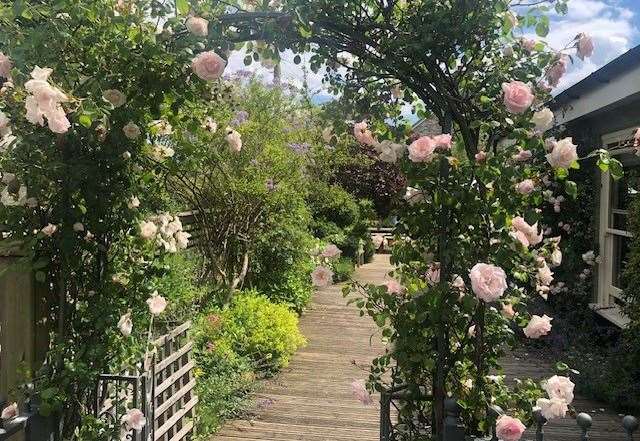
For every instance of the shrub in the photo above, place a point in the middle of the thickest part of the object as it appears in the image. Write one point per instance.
(343, 269)
(264, 332)
(291, 287)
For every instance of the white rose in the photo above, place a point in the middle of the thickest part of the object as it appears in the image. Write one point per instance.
(543, 120)
(563, 154)
(131, 130)
(115, 97)
(198, 26)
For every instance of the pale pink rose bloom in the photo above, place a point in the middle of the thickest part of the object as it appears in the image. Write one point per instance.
(134, 420)
(9, 412)
(331, 251)
(544, 275)
(182, 240)
(471, 332)
(157, 304)
(322, 276)
(543, 120)
(5, 66)
(529, 231)
(556, 71)
(528, 44)
(508, 311)
(458, 282)
(133, 203)
(148, 230)
(44, 101)
(559, 387)
(556, 257)
(198, 26)
(522, 155)
(509, 428)
(538, 326)
(517, 96)
(131, 130)
(521, 237)
(49, 230)
(525, 187)
(125, 324)
(394, 287)
(584, 46)
(563, 154)
(443, 142)
(78, 227)
(422, 149)
(433, 273)
(363, 134)
(481, 156)
(360, 392)
(488, 281)
(234, 140)
(552, 408)
(208, 66)
(114, 97)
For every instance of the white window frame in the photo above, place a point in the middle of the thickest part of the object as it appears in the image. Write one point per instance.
(605, 304)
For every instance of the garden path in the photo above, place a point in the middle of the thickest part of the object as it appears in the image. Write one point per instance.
(311, 399)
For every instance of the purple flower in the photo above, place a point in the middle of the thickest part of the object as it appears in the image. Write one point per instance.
(240, 117)
(300, 148)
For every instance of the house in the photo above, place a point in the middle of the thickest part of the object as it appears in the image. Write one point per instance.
(603, 111)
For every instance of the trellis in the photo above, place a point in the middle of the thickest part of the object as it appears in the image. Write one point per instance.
(164, 391)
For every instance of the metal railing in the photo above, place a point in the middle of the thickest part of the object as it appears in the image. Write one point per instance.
(454, 429)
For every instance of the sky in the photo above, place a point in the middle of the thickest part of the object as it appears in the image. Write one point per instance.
(613, 24)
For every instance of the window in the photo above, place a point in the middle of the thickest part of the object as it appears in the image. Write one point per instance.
(614, 237)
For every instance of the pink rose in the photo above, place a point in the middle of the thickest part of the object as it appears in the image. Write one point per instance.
(508, 311)
(331, 251)
(517, 96)
(361, 393)
(481, 156)
(49, 230)
(208, 66)
(363, 134)
(563, 154)
(443, 142)
(525, 187)
(115, 97)
(234, 140)
(9, 412)
(525, 233)
(538, 326)
(322, 276)
(125, 324)
(544, 275)
(5, 66)
(394, 287)
(134, 420)
(522, 155)
(584, 46)
(157, 304)
(556, 71)
(552, 408)
(488, 281)
(528, 44)
(131, 130)
(559, 387)
(433, 273)
(197, 26)
(422, 149)
(509, 428)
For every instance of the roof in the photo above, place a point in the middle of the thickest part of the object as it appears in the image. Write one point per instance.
(604, 75)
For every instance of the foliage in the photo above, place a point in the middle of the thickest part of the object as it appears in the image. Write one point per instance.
(339, 219)
(265, 333)
(291, 287)
(342, 268)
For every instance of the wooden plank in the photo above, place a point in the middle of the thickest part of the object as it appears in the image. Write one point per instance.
(188, 428)
(175, 418)
(173, 357)
(175, 397)
(172, 334)
(174, 377)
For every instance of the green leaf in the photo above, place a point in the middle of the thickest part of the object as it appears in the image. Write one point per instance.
(297, 59)
(542, 28)
(182, 6)
(85, 120)
(561, 367)
(40, 276)
(616, 169)
(571, 189)
(248, 60)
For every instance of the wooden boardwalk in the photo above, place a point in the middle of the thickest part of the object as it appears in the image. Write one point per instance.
(311, 399)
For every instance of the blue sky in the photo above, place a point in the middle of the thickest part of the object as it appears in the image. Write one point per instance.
(613, 24)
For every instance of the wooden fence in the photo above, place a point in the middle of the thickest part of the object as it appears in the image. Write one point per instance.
(164, 392)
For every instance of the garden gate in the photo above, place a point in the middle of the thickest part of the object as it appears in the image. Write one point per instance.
(164, 391)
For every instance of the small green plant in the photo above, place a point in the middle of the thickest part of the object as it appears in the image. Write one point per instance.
(343, 269)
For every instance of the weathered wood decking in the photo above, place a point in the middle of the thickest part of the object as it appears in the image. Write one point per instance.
(311, 399)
